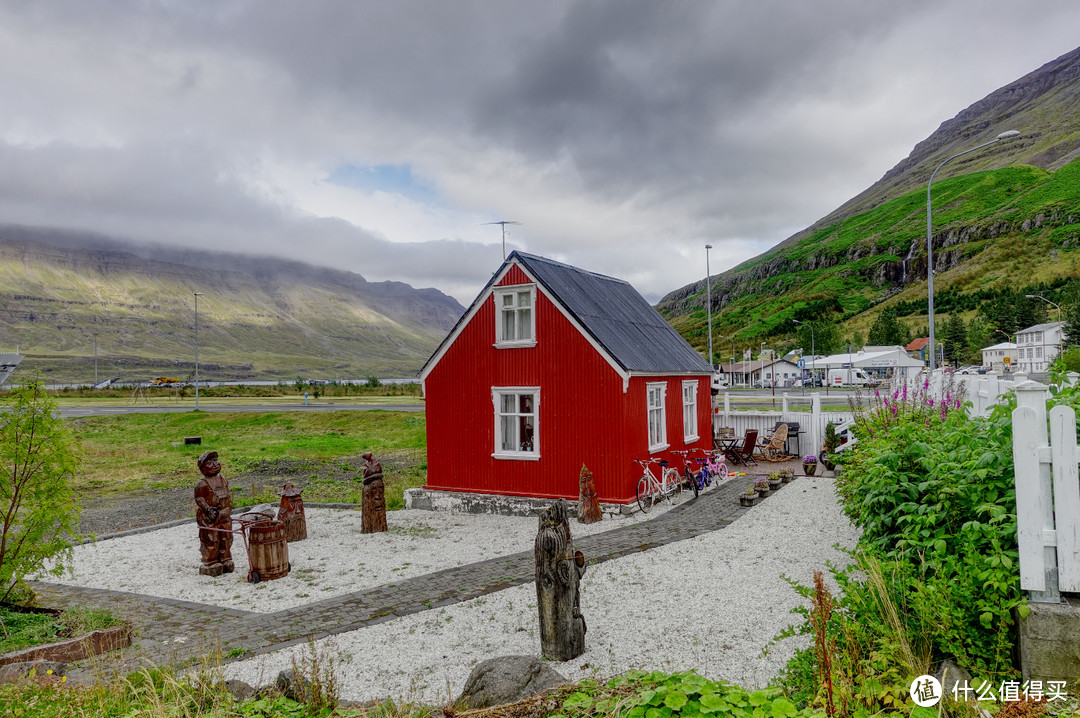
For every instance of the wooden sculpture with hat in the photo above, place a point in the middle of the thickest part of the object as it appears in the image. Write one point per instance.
(373, 508)
(291, 513)
(213, 511)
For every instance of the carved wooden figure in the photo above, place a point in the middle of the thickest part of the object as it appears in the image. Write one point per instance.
(291, 513)
(588, 503)
(558, 574)
(373, 508)
(213, 511)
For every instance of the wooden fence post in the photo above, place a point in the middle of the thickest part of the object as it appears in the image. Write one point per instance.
(1034, 491)
(1066, 496)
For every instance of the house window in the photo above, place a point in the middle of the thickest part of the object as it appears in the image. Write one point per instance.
(1038, 352)
(657, 423)
(515, 320)
(689, 411)
(517, 429)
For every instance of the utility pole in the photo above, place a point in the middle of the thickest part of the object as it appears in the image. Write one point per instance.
(708, 303)
(95, 360)
(197, 295)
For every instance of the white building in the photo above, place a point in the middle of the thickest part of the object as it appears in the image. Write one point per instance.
(1038, 346)
(881, 362)
(1000, 357)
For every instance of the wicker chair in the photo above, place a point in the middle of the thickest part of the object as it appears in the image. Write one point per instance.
(773, 449)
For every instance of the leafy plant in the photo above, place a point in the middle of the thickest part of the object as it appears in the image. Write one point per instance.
(39, 511)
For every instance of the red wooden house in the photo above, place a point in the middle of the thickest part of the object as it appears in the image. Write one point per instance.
(553, 367)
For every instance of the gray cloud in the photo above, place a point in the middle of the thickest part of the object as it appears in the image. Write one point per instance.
(624, 135)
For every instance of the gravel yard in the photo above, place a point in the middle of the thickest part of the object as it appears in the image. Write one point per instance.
(335, 559)
(711, 604)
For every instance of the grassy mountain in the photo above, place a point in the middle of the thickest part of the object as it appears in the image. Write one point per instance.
(259, 318)
(1006, 217)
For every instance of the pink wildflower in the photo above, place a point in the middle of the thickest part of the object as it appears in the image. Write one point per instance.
(905, 391)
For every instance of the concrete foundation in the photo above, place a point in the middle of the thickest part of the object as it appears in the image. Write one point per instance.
(1050, 642)
(469, 503)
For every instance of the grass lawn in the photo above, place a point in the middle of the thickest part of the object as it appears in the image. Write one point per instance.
(146, 451)
(23, 630)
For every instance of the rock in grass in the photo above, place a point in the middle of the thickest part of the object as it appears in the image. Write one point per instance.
(507, 679)
(12, 672)
(949, 674)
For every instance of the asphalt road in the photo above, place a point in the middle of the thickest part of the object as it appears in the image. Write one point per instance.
(74, 412)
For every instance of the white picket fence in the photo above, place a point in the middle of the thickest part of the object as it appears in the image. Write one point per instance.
(983, 392)
(811, 423)
(1047, 494)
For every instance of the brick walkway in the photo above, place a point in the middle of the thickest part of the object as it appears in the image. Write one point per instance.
(203, 629)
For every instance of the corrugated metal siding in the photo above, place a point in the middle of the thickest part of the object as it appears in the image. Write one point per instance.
(584, 416)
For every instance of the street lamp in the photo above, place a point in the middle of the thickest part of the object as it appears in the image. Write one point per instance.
(1058, 306)
(929, 236)
(813, 354)
(708, 303)
(761, 355)
(95, 361)
(197, 295)
(1008, 339)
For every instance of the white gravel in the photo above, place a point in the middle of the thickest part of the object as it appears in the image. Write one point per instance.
(711, 604)
(335, 559)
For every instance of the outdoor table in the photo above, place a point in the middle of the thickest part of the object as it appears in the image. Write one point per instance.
(728, 444)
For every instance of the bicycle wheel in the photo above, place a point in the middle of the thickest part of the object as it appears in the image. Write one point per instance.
(645, 495)
(674, 483)
(693, 482)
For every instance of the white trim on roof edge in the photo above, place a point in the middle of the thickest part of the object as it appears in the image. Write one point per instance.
(479, 302)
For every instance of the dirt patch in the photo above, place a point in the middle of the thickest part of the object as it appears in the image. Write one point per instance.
(333, 480)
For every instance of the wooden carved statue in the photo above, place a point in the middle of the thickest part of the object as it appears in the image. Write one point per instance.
(291, 513)
(558, 574)
(373, 508)
(588, 511)
(213, 511)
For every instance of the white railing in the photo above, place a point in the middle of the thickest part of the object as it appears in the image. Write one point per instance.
(812, 421)
(1047, 494)
(981, 391)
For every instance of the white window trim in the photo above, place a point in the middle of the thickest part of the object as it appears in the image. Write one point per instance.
(498, 294)
(649, 387)
(497, 393)
(696, 386)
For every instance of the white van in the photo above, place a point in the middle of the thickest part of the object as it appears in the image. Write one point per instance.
(849, 377)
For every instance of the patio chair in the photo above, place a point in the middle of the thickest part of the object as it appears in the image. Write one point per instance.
(773, 449)
(745, 454)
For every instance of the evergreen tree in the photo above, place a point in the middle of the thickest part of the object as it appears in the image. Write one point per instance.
(824, 340)
(978, 338)
(888, 330)
(955, 340)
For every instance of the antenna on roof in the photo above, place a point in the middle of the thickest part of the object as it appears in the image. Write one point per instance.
(503, 222)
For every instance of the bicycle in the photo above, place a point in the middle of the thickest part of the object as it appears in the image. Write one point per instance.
(697, 480)
(716, 466)
(650, 490)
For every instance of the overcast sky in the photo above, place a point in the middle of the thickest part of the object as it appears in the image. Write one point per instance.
(381, 136)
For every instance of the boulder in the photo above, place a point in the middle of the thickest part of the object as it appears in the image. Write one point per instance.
(240, 691)
(12, 672)
(948, 675)
(507, 679)
(292, 685)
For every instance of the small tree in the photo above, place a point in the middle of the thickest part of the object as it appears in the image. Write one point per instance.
(373, 382)
(38, 508)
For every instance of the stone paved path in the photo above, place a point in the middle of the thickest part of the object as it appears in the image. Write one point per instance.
(202, 629)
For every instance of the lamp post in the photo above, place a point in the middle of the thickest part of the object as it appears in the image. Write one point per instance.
(761, 355)
(95, 361)
(708, 303)
(197, 295)
(1008, 340)
(813, 354)
(1058, 307)
(929, 237)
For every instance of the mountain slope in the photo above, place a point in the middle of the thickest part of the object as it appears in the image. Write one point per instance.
(1012, 225)
(259, 318)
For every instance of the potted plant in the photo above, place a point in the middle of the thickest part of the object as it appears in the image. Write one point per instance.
(761, 485)
(787, 475)
(775, 481)
(748, 497)
(831, 442)
(809, 464)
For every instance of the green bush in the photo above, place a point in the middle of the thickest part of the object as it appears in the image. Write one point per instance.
(38, 509)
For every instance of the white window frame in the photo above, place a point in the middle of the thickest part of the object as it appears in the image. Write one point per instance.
(497, 393)
(689, 410)
(513, 291)
(657, 434)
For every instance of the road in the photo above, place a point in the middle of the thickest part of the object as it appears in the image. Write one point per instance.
(75, 412)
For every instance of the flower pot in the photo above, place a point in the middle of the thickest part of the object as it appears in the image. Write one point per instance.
(829, 465)
(774, 485)
(809, 469)
(748, 500)
(787, 478)
(764, 493)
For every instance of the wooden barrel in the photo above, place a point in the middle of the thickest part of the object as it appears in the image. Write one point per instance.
(269, 549)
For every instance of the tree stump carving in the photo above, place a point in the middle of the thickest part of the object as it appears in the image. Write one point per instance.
(291, 513)
(559, 569)
(373, 506)
(588, 503)
(213, 516)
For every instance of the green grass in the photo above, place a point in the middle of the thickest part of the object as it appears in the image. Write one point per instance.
(24, 630)
(139, 451)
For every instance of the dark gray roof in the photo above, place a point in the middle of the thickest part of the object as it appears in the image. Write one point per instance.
(616, 316)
